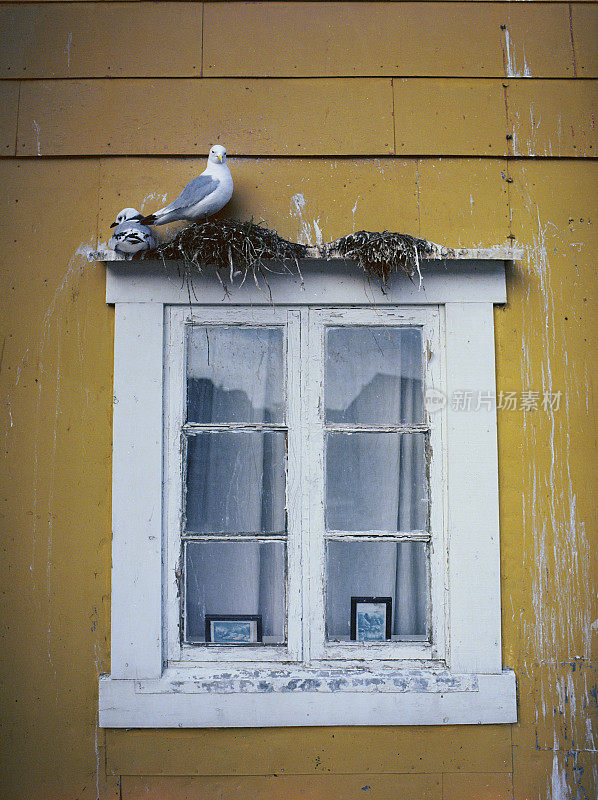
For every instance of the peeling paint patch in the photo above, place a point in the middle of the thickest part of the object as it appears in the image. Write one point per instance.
(307, 232)
(69, 41)
(556, 548)
(37, 141)
(306, 680)
(510, 63)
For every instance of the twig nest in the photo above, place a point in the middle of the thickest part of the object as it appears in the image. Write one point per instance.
(381, 254)
(230, 246)
(240, 248)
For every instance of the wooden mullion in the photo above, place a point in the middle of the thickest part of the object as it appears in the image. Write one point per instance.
(194, 536)
(339, 427)
(232, 427)
(378, 536)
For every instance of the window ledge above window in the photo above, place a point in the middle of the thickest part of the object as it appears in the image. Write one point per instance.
(264, 698)
(477, 280)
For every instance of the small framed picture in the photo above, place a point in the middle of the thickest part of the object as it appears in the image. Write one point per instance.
(233, 628)
(371, 619)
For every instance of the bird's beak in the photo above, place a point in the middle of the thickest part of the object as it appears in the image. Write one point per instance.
(114, 224)
(219, 158)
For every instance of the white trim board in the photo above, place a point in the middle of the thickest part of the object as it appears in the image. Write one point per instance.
(463, 685)
(127, 704)
(496, 252)
(449, 281)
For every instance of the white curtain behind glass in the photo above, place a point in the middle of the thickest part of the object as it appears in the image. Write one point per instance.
(236, 578)
(376, 481)
(235, 480)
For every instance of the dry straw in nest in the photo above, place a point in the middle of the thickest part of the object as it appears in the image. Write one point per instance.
(231, 248)
(381, 254)
(240, 248)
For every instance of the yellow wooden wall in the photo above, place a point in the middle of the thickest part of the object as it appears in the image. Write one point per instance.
(464, 122)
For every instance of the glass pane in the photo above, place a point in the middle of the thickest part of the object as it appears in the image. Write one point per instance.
(228, 579)
(236, 482)
(234, 374)
(377, 569)
(376, 481)
(374, 375)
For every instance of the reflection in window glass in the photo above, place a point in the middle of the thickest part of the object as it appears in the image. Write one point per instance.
(374, 375)
(378, 569)
(236, 482)
(234, 374)
(376, 481)
(235, 578)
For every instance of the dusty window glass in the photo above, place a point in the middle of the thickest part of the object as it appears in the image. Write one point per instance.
(378, 569)
(235, 482)
(376, 477)
(235, 452)
(235, 578)
(374, 375)
(235, 374)
(376, 481)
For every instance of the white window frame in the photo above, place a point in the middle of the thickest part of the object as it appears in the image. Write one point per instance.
(459, 677)
(428, 319)
(176, 321)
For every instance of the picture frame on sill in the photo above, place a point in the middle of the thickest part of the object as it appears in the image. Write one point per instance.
(371, 619)
(233, 629)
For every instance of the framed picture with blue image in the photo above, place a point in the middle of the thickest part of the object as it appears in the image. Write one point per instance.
(233, 628)
(371, 619)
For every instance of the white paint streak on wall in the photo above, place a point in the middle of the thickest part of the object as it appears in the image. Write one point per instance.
(53, 323)
(354, 209)
(559, 789)
(556, 549)
(69, 42)
(36, 128)
(307, 232)
(153, 196)
(511, 65)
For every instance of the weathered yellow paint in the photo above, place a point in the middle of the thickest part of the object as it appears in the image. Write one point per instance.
(56, 344)
(536, 41)
(138, 40)
(385, 39)
(585, 35)
(300, 751)
(9, 104)
(277, 787)
(548, 515)
(253, 117)
(431, 117)
(477, 785)
(478, 213)
(56, 442)
(555, 120)
(449, 117)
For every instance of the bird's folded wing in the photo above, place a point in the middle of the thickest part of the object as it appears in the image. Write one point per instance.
(194, 192)
(128, 227)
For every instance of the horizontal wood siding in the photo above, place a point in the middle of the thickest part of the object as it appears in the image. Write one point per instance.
(402, 39)
(305, 117)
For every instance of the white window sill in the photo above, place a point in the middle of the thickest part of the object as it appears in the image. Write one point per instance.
(263, 698)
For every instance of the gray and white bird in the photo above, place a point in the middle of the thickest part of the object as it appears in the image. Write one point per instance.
(130, 235)
(201, 197)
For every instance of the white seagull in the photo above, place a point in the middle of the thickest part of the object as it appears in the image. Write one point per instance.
(201, 197)
(130, 235)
